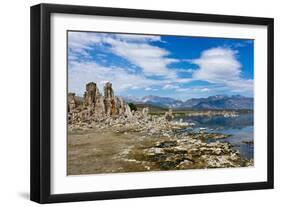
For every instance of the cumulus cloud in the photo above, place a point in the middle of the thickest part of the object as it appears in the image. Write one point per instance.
(220, 65)
(216, 64)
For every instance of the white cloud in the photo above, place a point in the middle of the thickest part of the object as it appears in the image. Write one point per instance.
(184, 70)
(80, 42)
(220, 65)
(217, 64)
(138, 38)
(82, 73)
(169, 86)
(150, 89)
(151, 59)
(183, 89)
(241, 85)
(135, 87)
(136, 49)
(205, 89)
(194, 89)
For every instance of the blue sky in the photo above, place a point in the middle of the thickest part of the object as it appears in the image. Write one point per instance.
(169, 66)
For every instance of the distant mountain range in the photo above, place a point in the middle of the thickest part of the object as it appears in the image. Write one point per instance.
(212, 102)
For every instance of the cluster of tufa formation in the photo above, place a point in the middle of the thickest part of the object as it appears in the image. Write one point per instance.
(95, 106)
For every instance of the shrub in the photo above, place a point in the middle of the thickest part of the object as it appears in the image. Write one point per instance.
(132, 106)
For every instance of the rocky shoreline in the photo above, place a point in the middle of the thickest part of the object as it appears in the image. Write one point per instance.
(168, 149)
(145, 142)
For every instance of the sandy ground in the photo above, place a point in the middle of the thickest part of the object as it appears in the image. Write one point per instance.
(106, 150)
(93, 151)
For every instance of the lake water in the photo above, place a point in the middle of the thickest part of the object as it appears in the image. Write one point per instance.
(240, 128)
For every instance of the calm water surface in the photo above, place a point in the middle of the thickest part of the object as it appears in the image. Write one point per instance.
(240, 128)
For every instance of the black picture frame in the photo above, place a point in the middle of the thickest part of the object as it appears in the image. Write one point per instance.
(40, 184)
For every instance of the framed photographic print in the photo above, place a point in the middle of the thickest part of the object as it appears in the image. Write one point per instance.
(133, 103)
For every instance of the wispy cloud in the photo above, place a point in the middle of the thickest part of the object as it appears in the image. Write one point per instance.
(170, 86)
(153, 60)
(137, 49)
(82, 73)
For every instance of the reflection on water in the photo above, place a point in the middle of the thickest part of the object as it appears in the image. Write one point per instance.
(241, 129)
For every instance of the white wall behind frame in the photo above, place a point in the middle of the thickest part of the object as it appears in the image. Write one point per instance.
(14, 77)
